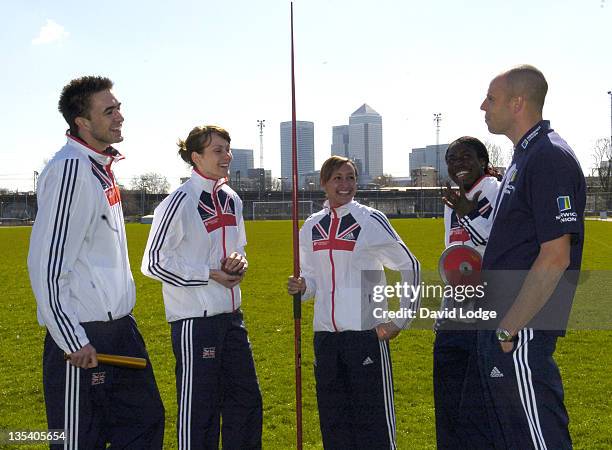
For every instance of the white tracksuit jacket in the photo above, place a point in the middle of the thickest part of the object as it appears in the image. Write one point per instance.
(193, 229)
(78, 259)
(473, 230)
(336, 246)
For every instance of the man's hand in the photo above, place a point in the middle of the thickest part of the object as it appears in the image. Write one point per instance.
(459, 201)
(85, 358)
(507, 347)
(295, 285)
(225, 279)
(234, 264)
(387, 331)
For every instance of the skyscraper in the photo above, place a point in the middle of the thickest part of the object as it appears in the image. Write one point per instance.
(305, 148)
(365, 141)
(242, 161)
(340, 141)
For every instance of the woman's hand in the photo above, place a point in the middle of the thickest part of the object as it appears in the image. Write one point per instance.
(235, 264)
(459, 201)
(226, 279)
(295, 285)
(387, 331)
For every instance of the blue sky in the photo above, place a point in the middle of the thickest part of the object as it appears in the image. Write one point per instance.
(184, 63)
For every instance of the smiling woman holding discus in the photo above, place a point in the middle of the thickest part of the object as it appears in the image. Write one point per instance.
(461, 421)
(196, 249)
(343, 251)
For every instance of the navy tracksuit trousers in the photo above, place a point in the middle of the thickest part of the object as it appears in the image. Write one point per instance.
(106, 404)
(523, 392)
(461, 418)
(216, 382)
(354, 390)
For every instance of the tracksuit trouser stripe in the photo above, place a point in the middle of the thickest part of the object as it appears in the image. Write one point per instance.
(184, 424)
(525, 387)
(387, 379)
(71, 406)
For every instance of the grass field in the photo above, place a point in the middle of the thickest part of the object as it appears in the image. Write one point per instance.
(583, 356)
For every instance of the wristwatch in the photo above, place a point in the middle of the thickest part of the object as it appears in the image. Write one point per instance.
(504, 335)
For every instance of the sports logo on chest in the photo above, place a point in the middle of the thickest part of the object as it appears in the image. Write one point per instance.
(335, 233)
(217, 210)
(107, 181)
(457, 233)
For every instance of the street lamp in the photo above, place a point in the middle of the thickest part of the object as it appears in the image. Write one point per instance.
(310, 189)
(282, 180)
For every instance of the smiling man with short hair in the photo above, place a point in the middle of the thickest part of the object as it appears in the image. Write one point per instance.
(81, 278)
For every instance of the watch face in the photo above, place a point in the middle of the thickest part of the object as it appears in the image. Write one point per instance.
(503, 335)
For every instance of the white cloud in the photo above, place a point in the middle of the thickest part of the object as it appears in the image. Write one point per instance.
(50, 32)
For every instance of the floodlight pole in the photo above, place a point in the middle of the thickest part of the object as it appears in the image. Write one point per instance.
(437, 120)
(610, 94)
(261, 124)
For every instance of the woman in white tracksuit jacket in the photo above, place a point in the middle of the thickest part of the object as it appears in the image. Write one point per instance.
(343, 251)
(461, 417)
(196, 249)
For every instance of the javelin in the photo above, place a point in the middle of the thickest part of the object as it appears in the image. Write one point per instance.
(297, 298)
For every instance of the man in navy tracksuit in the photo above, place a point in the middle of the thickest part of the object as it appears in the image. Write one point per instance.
(531, 263)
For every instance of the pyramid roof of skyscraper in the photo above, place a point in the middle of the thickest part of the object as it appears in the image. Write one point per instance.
(364, 109)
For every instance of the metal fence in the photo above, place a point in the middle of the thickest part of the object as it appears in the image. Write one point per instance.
(18, 208)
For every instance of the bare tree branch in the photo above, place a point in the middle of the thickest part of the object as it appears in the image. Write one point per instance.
(602, 156)
(497, 156)
(151, 183)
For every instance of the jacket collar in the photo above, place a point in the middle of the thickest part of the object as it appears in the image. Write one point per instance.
(539, 129)
(340, 211)
(105, 158)
(206, 183)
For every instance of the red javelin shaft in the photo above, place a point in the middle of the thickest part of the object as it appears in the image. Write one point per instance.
(297, 298)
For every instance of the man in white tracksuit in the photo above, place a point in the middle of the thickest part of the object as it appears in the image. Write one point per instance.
(81, 278)
(196, 249)
(343, 251)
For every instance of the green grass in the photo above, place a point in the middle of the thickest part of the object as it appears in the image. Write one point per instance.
(583, 356)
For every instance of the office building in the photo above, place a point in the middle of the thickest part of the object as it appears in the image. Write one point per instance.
(365, 141)
(430, 156)
(305, 149)
(340, 141)
(242, 161)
